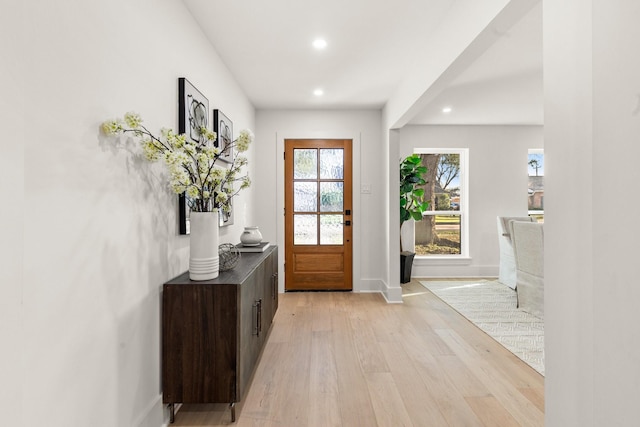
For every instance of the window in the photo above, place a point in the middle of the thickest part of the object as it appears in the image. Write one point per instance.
(443, 229)
(536, 184)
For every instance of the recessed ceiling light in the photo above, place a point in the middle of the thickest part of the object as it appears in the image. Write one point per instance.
(318, 92)
(319, 44)
(447, 110)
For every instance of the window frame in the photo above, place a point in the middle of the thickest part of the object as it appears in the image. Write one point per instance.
(463, 212)
(530, 151)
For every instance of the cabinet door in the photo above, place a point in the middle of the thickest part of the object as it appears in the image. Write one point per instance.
(274, 270)
(270, 290)
(250, 296)
(199, 343)
(267, 296)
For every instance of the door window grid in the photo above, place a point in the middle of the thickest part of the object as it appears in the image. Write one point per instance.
(318, 182)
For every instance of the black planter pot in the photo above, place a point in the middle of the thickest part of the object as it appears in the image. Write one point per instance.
(406, 263)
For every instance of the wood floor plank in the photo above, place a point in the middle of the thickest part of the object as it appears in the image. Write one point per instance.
(535, 396)
(386, 400)
(525, 412)
(293, 397)
(491, 412)
(451, 403)
(322, 308)
(463, 378)
(367, 347)
(324, 403)
(418, 401)
(356, 408)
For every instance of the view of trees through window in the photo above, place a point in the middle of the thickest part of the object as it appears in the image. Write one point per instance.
(536, 184)
(439, 232)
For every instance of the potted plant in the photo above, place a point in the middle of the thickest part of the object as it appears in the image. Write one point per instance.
(412, 205)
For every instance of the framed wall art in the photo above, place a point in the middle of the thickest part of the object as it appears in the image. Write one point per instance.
(193, 110)
(223, 128)
(193, 114)
(183, 214)
(226, 218)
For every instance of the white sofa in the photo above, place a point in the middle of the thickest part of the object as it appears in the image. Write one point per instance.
(507, 272)
(528, 245)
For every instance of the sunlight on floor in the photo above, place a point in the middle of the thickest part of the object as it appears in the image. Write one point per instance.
(469, 285)
(415, 294)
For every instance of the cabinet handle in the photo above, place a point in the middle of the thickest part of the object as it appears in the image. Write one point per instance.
(256, 325)
(259, 316)
(274, 285)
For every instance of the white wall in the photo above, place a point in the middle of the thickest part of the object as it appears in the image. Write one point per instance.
(449, 53)
(616, 133)
(497, 186)
(272, 127)
(592, 127)
(569, 260)
(14, 122)
(101, 233)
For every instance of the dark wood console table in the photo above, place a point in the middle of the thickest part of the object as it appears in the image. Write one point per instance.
(213, 331)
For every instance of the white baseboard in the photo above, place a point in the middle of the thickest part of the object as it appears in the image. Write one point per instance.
(154, 414)
(370, 285)
(391, 295)
(454, 271)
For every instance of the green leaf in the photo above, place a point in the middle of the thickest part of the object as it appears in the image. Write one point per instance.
(412, 202)
(416, 215)
(414, 159)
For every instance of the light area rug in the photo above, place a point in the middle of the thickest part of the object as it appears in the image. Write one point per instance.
(491, 306)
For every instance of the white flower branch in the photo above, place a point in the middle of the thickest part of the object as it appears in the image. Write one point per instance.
(192, 165)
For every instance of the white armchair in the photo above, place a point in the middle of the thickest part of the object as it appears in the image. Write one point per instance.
(507, 272)
(528, 245)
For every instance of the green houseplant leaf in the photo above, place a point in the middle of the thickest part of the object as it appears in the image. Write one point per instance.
(412, 203)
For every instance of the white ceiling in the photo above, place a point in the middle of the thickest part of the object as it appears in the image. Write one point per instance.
(266, 44)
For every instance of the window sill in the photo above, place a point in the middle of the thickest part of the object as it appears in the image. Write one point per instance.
(442, 260)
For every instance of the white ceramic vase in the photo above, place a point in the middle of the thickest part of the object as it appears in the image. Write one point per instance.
(203, 246)
(251, 236)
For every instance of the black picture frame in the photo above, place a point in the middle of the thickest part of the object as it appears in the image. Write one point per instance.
(223, 127)
(193, 113)
(226, 218)
(183, 214)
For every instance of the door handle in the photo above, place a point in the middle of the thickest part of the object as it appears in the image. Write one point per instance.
(347, 223)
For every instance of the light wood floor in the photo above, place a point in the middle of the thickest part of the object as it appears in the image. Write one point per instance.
(345, 359)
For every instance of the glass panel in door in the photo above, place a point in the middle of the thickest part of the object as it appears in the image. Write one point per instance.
(318, 187)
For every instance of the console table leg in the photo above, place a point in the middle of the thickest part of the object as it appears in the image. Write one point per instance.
(232, 406)
(172, 413)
